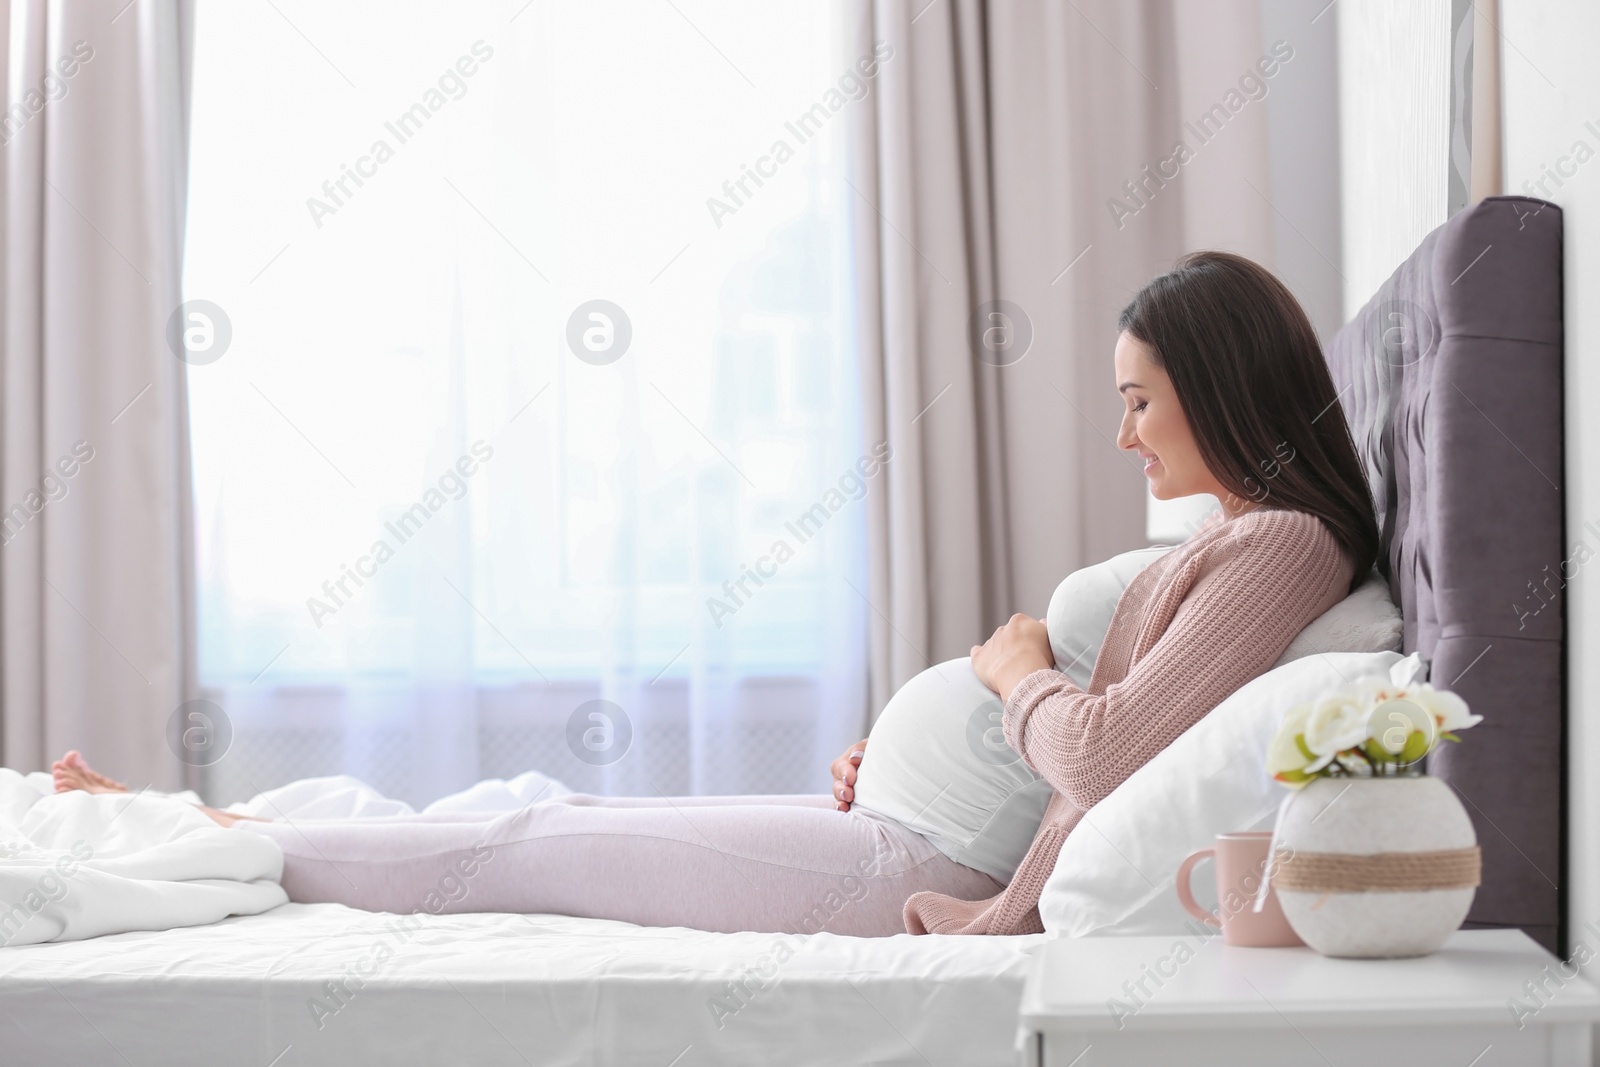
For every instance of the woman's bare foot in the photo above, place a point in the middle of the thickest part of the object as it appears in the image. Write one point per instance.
(224, 818)
(72, 772)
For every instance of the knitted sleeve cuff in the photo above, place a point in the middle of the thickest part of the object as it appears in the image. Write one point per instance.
(1023, 698)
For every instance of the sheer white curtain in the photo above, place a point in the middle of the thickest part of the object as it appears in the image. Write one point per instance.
(496, 414)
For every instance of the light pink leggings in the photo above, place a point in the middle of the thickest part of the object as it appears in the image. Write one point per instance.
(780, 864)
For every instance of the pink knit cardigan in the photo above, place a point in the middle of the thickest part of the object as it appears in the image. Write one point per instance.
(1191, 628)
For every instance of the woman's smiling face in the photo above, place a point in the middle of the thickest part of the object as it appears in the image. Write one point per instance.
(1153, 422)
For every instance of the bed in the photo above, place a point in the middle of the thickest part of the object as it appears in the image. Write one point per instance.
(1451, 381)
(491, 988)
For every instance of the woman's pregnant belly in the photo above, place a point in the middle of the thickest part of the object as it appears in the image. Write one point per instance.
(937, 761)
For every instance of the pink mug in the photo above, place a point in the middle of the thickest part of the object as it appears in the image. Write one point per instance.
(1241, 860)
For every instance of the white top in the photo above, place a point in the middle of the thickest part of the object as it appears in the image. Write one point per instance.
(937, 759)
(1078, 985)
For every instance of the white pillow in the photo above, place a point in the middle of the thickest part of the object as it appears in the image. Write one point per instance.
(1364, 621)
(1115, 872)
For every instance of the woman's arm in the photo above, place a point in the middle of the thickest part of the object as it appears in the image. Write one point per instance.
(1253, 591)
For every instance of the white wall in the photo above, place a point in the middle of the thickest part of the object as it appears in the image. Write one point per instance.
(1303, 124)
(1394, 106)
(1550, 90)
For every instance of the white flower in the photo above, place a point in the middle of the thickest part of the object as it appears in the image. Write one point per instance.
(1373, 688)
(1287, 756)
(1400, 730)
(1404, 672)
(1447, 709)
(1337, 722)
(1378, 724)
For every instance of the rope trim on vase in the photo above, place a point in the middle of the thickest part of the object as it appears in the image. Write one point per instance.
(1383, 872)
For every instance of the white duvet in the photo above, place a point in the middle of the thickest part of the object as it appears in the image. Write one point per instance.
(78, 865)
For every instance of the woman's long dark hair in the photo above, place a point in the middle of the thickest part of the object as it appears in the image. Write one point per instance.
(1255, 388)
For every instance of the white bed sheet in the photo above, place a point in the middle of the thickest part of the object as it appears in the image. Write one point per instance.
(488, 989)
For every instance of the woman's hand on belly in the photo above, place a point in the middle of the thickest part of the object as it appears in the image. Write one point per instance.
(844, 774)
(1016, 650)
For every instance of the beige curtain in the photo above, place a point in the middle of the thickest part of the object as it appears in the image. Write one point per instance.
(1001, 132)
(93, 460)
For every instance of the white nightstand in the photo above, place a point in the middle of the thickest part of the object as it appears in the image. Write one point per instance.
(1194, 1001)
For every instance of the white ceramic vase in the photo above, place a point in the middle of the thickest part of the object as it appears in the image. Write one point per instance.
(1375, 867)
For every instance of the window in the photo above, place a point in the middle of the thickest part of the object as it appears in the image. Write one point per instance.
(525, 372)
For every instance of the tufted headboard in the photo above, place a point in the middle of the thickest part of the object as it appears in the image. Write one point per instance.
(1451, 381)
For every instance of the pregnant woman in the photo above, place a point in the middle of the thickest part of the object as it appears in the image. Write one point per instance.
(1225, 392)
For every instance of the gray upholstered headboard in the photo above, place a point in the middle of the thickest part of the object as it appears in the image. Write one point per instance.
(1451, 380)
